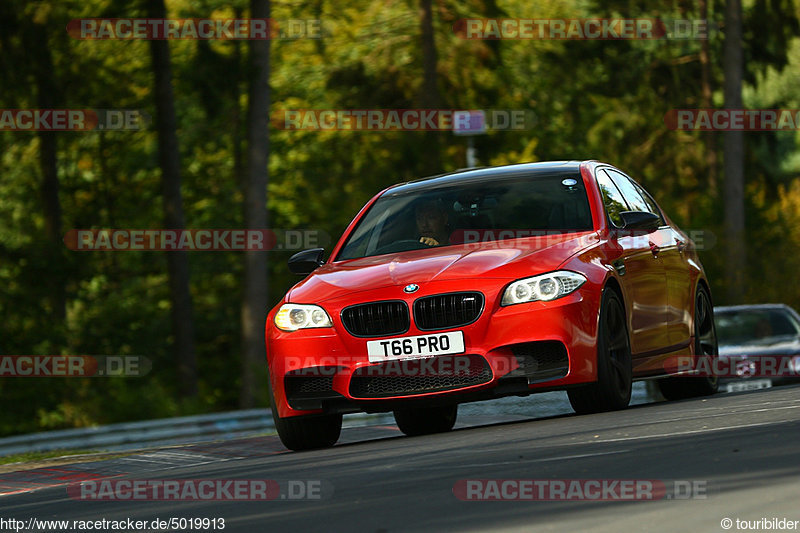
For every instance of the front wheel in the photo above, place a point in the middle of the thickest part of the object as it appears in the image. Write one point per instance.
(612, 390)
(426, 420)
(705, 346)
(307, 432)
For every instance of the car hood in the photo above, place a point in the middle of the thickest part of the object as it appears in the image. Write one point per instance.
(497, 259)
(789, 347)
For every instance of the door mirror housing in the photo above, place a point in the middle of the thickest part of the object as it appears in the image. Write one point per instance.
(306, 262)
(640, 221)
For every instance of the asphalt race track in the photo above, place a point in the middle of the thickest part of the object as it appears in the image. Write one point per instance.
(739, 451)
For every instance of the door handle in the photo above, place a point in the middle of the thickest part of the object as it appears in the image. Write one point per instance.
(654, 248)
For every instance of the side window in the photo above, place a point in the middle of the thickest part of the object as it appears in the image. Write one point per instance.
(629, 191)
(612, 198)
(625, 183)
(651, 204)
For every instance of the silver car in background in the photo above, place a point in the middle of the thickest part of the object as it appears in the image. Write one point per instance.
(760, 344)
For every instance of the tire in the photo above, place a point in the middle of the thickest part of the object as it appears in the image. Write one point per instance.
(612, 390)
(426, 420)
(705, 345)
(306, 432)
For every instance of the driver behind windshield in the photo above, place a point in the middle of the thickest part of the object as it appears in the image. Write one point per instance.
(432, 223)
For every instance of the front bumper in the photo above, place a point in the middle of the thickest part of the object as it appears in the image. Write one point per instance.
(518, 349)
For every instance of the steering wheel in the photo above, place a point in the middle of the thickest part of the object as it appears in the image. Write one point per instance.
(402, 245)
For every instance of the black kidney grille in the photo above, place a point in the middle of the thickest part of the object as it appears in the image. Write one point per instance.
(442, 311)
(413, 376)
(376, 319)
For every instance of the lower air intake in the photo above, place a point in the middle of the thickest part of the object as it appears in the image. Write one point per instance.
(541, 360)
(419, 376)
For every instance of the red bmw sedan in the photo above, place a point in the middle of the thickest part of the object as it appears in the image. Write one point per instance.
(486, 283)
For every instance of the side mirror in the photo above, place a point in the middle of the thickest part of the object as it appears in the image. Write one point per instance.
(306, 262)
(640, 220)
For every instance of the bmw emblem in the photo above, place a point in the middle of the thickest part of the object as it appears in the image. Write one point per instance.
(411, 288)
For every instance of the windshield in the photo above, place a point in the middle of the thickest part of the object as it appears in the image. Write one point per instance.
(755, 327)
(457, 213)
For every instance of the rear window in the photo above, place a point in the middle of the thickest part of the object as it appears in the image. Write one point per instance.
(447, 214)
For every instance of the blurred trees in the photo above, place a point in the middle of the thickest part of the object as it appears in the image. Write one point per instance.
(735, 249)
(255, 300)
(592, 99)
(429, 91)
(170, 162)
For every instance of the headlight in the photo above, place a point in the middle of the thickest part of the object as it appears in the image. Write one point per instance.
(291, 317)
(542, 288)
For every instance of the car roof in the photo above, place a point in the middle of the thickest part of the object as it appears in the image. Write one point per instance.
(480, 174)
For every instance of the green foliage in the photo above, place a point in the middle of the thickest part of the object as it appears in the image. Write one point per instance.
(592, 99)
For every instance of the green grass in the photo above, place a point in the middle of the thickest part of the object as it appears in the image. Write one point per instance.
(32, 457)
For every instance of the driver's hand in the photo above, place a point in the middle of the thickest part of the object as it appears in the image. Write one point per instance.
(430, 241)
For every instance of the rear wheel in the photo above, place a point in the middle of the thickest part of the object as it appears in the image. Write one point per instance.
(307, 432)
(612, 390)
(426, 420)
(705, 345)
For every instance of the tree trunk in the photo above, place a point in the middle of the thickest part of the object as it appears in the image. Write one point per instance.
(236, 117)
(429, 94)
(169, 160)
(48, 97)
(52, 205)
(706, 103)
(255, 300)
(734, 240)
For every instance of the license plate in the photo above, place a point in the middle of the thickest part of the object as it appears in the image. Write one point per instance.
(755, 384)
(415, 347)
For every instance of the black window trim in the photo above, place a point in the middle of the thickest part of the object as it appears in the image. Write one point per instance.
(522, 177)
(641, 191)
(605, 207)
